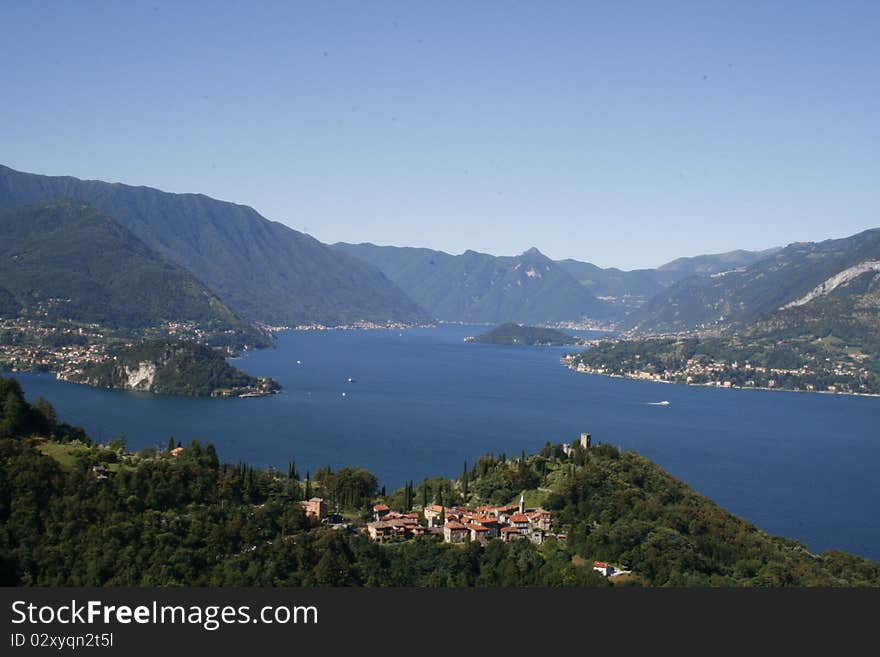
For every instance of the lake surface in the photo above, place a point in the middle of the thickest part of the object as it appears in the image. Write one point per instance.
(423, 401)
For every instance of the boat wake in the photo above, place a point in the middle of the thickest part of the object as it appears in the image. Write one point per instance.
(659, 403)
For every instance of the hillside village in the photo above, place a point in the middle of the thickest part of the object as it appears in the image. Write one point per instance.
(66, 347)
(460, 524)
(564, 529)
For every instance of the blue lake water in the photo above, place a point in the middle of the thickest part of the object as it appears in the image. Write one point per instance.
(424, 401)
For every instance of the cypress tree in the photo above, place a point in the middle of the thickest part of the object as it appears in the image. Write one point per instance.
(170, 443)
(425, 494)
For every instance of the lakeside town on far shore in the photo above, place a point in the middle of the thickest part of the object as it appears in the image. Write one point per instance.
(835, 378)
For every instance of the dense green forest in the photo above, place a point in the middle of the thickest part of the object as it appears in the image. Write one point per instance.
(179, 368)
(76, 513)
(528, 335)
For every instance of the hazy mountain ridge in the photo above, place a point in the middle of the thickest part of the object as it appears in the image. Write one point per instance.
(715, 263)
(269, 272)
(634, 287)
(263, 269)
(482, 288)
(458, 287)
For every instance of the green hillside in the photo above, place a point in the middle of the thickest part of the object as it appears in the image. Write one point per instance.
(76, 514)
(67, 261)
(525, 335)
(262, 269)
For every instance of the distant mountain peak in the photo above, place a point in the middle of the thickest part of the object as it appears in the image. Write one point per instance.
(482, 288)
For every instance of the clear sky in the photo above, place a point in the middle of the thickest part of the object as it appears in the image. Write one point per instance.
(625, 134)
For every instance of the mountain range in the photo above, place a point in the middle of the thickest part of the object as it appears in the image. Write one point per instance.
(223, 262)
(262, 269)
(531, 288)
(481, 288)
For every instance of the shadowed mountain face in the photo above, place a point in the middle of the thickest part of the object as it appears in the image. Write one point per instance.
(262, 269)
(802, 281)
(68, 261)
(481, 288)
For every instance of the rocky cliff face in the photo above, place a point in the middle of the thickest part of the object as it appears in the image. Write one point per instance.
(842, 278)
(141, 377)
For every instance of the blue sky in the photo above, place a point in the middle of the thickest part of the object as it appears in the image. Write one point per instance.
(626, 134)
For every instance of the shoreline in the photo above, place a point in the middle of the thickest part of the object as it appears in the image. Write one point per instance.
(713, 385)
